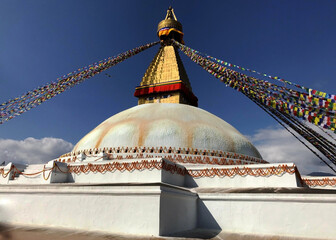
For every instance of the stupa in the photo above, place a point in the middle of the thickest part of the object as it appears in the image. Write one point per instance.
(168, 168)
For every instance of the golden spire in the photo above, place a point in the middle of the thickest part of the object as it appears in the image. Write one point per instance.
(166, 80)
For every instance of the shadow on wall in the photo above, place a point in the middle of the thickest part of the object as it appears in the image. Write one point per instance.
(5, 232)
(189, 182)
(205, 220)
(207, 226)
(5, 229)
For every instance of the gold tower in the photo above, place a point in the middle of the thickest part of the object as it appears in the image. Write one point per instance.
(166, 80)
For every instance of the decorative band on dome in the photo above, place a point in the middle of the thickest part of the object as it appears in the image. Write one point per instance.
(178, 155)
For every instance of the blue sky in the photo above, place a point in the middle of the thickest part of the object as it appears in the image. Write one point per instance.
(43, 40)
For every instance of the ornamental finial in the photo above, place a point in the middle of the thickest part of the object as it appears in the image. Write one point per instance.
(170, 28)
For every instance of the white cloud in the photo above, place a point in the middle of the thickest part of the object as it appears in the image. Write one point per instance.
(31, 150)
(277, 145)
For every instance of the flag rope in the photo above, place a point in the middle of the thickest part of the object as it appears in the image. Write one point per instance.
(241, 83)
(310, 91)
(35, 97)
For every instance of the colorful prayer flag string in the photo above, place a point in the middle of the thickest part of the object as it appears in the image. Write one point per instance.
(31, 99)
(314, 110)
(272, 102)
(310, 91)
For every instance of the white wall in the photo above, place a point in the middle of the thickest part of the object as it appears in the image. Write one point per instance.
(133, 210)
(296, 215)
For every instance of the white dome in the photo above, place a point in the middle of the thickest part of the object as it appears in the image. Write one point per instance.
(167, 125)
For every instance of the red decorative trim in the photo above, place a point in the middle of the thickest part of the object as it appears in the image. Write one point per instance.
(2, 172)
(322, 182)
(173, 168)
(158, 89)
(111, 167)
(231, 172)
(166, 88)
(16, 171)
